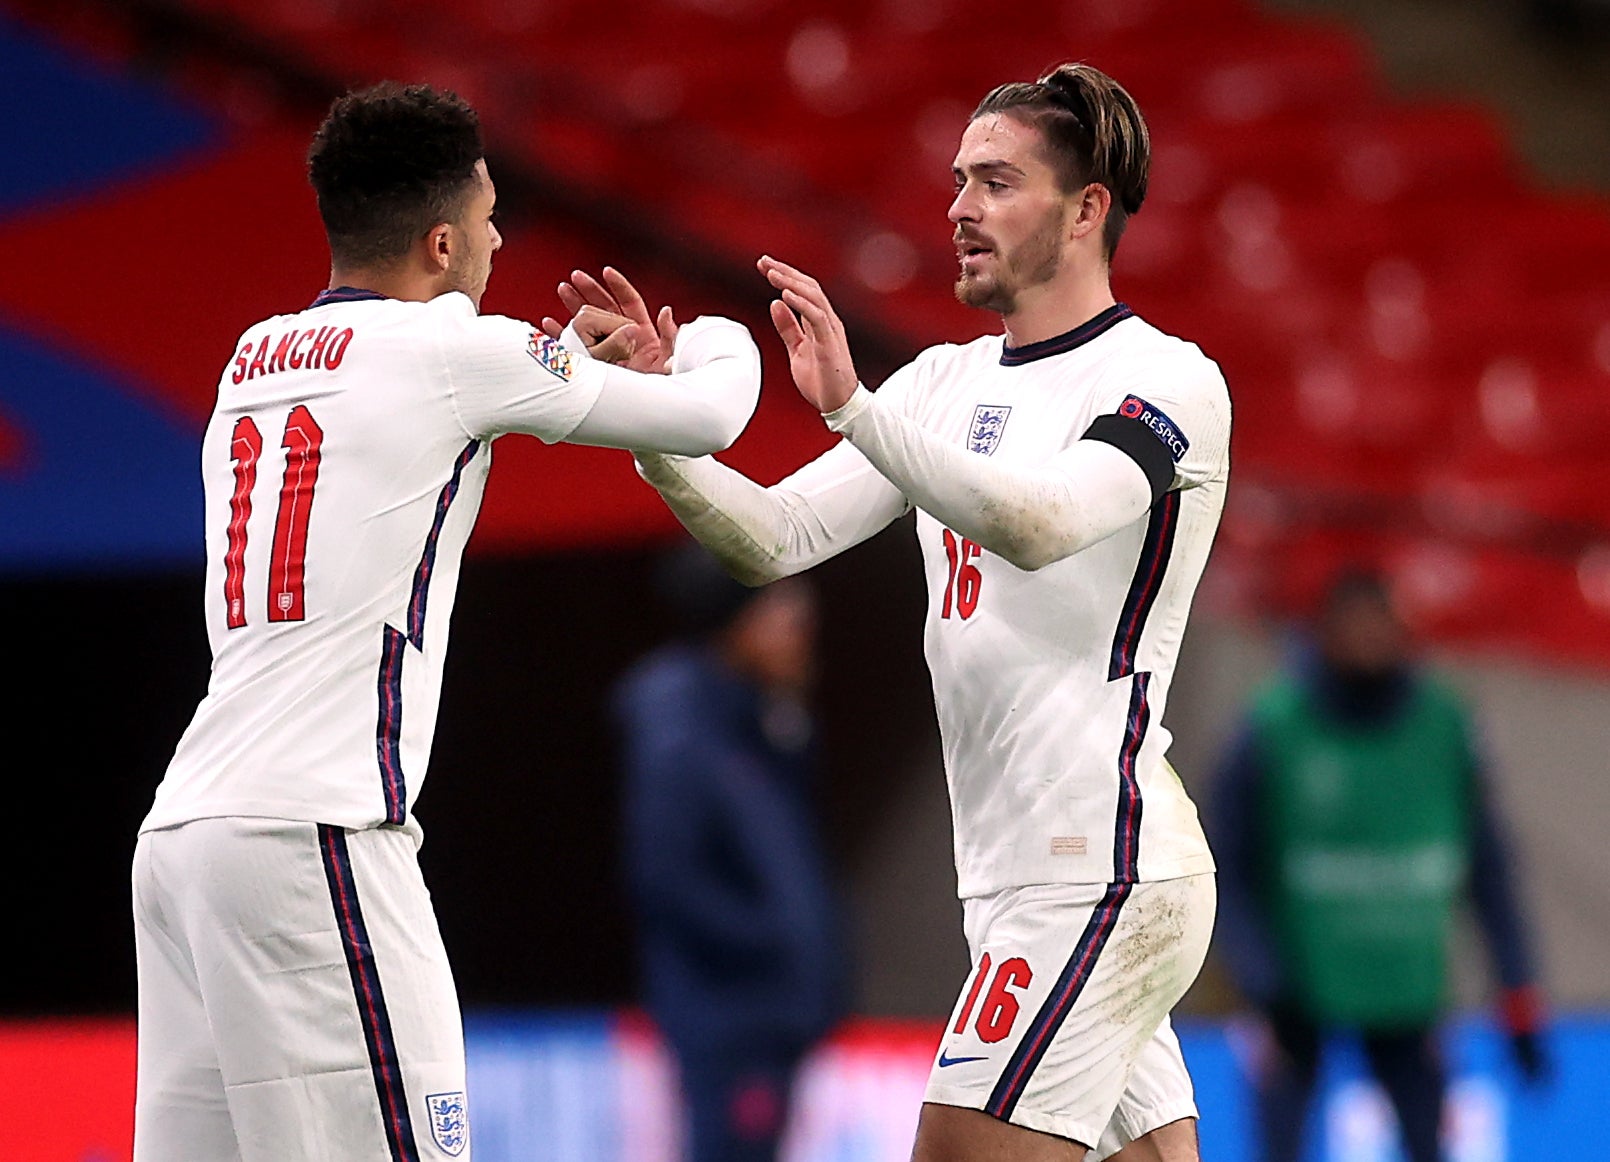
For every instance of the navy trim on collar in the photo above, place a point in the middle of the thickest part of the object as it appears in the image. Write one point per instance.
(344, 294)
(1068, 340)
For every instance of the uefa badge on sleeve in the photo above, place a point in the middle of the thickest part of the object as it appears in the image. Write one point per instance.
(1166, 430)
(449, 1121)
(551, 354)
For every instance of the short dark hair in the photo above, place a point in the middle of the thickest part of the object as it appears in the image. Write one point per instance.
(1093, 132)
(388, 164)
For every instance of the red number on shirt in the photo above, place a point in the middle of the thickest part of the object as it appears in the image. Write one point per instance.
(1000, 1009)
(303, 438)
(965, 580)
(245, 449)
(302, 442)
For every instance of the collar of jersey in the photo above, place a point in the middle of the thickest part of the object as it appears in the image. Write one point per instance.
(1068, 340)
(345, 294)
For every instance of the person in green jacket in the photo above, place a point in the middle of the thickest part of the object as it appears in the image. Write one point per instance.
(1352, 822)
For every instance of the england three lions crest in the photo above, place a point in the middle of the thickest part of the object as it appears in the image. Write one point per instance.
(989, 420)
(449, 1121)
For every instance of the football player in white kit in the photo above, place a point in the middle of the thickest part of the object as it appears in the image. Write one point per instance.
(1068, 478)
(295, 1001)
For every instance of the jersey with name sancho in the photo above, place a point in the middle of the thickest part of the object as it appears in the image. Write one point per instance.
(1050, 685)
(343, 469)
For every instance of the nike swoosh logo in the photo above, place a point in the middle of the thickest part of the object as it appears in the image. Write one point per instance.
(945, 1060)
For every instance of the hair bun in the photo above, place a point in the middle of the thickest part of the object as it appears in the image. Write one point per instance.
(1066, 90)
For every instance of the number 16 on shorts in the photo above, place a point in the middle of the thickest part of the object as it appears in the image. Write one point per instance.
(989, 1009)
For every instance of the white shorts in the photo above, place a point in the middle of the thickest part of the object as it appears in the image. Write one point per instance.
(1063, 1025)
(295, 999)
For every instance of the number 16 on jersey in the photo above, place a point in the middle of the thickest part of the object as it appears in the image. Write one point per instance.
(964, 582)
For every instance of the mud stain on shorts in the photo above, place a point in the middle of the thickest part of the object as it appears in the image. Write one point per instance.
(1149, 956)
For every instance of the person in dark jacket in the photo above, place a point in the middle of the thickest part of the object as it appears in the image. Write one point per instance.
(1352, 820)
(743, 968)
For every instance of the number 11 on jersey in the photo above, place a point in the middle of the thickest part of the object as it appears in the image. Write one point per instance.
(302, 443)
(964, 582)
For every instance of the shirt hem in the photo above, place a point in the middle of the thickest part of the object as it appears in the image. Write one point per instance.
(1176, 869)
(258, 809)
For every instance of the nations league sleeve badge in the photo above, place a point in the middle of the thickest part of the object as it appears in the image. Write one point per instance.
(551, 354)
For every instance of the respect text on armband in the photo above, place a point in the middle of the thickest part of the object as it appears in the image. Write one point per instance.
(1162, 427)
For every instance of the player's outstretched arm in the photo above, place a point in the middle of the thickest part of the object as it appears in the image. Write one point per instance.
(507, 376)
(1031, 517)
(700, 407)
(761, 534)
(713, 365)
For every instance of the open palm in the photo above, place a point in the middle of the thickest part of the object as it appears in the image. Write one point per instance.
(818, 351)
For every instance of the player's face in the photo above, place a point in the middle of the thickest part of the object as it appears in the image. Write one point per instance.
(471, 264)
(1010, 215)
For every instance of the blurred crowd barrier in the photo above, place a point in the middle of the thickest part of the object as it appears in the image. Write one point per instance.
(597, 1087)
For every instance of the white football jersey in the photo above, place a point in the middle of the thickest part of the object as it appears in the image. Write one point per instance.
(343, 469)
(1051, 685)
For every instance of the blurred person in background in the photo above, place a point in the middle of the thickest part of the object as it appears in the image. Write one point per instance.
(1352, 820)
(743, 967)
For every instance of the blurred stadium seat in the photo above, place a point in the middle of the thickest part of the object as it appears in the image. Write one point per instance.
(1377, 277)
(1366, 269)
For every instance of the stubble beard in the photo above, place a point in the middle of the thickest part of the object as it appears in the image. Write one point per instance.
(1035, 262)
(471, 277)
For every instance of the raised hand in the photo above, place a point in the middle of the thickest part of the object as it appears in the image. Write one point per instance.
(818, 352)
(655, 337)
(609, 337)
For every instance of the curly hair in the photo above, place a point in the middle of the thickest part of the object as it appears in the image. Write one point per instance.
(389, 163)
(1093, 132)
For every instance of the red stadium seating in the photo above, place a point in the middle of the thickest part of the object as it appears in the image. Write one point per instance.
(1409, 327)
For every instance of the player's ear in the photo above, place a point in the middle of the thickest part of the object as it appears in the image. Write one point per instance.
(1090, 206)
(439, 243)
